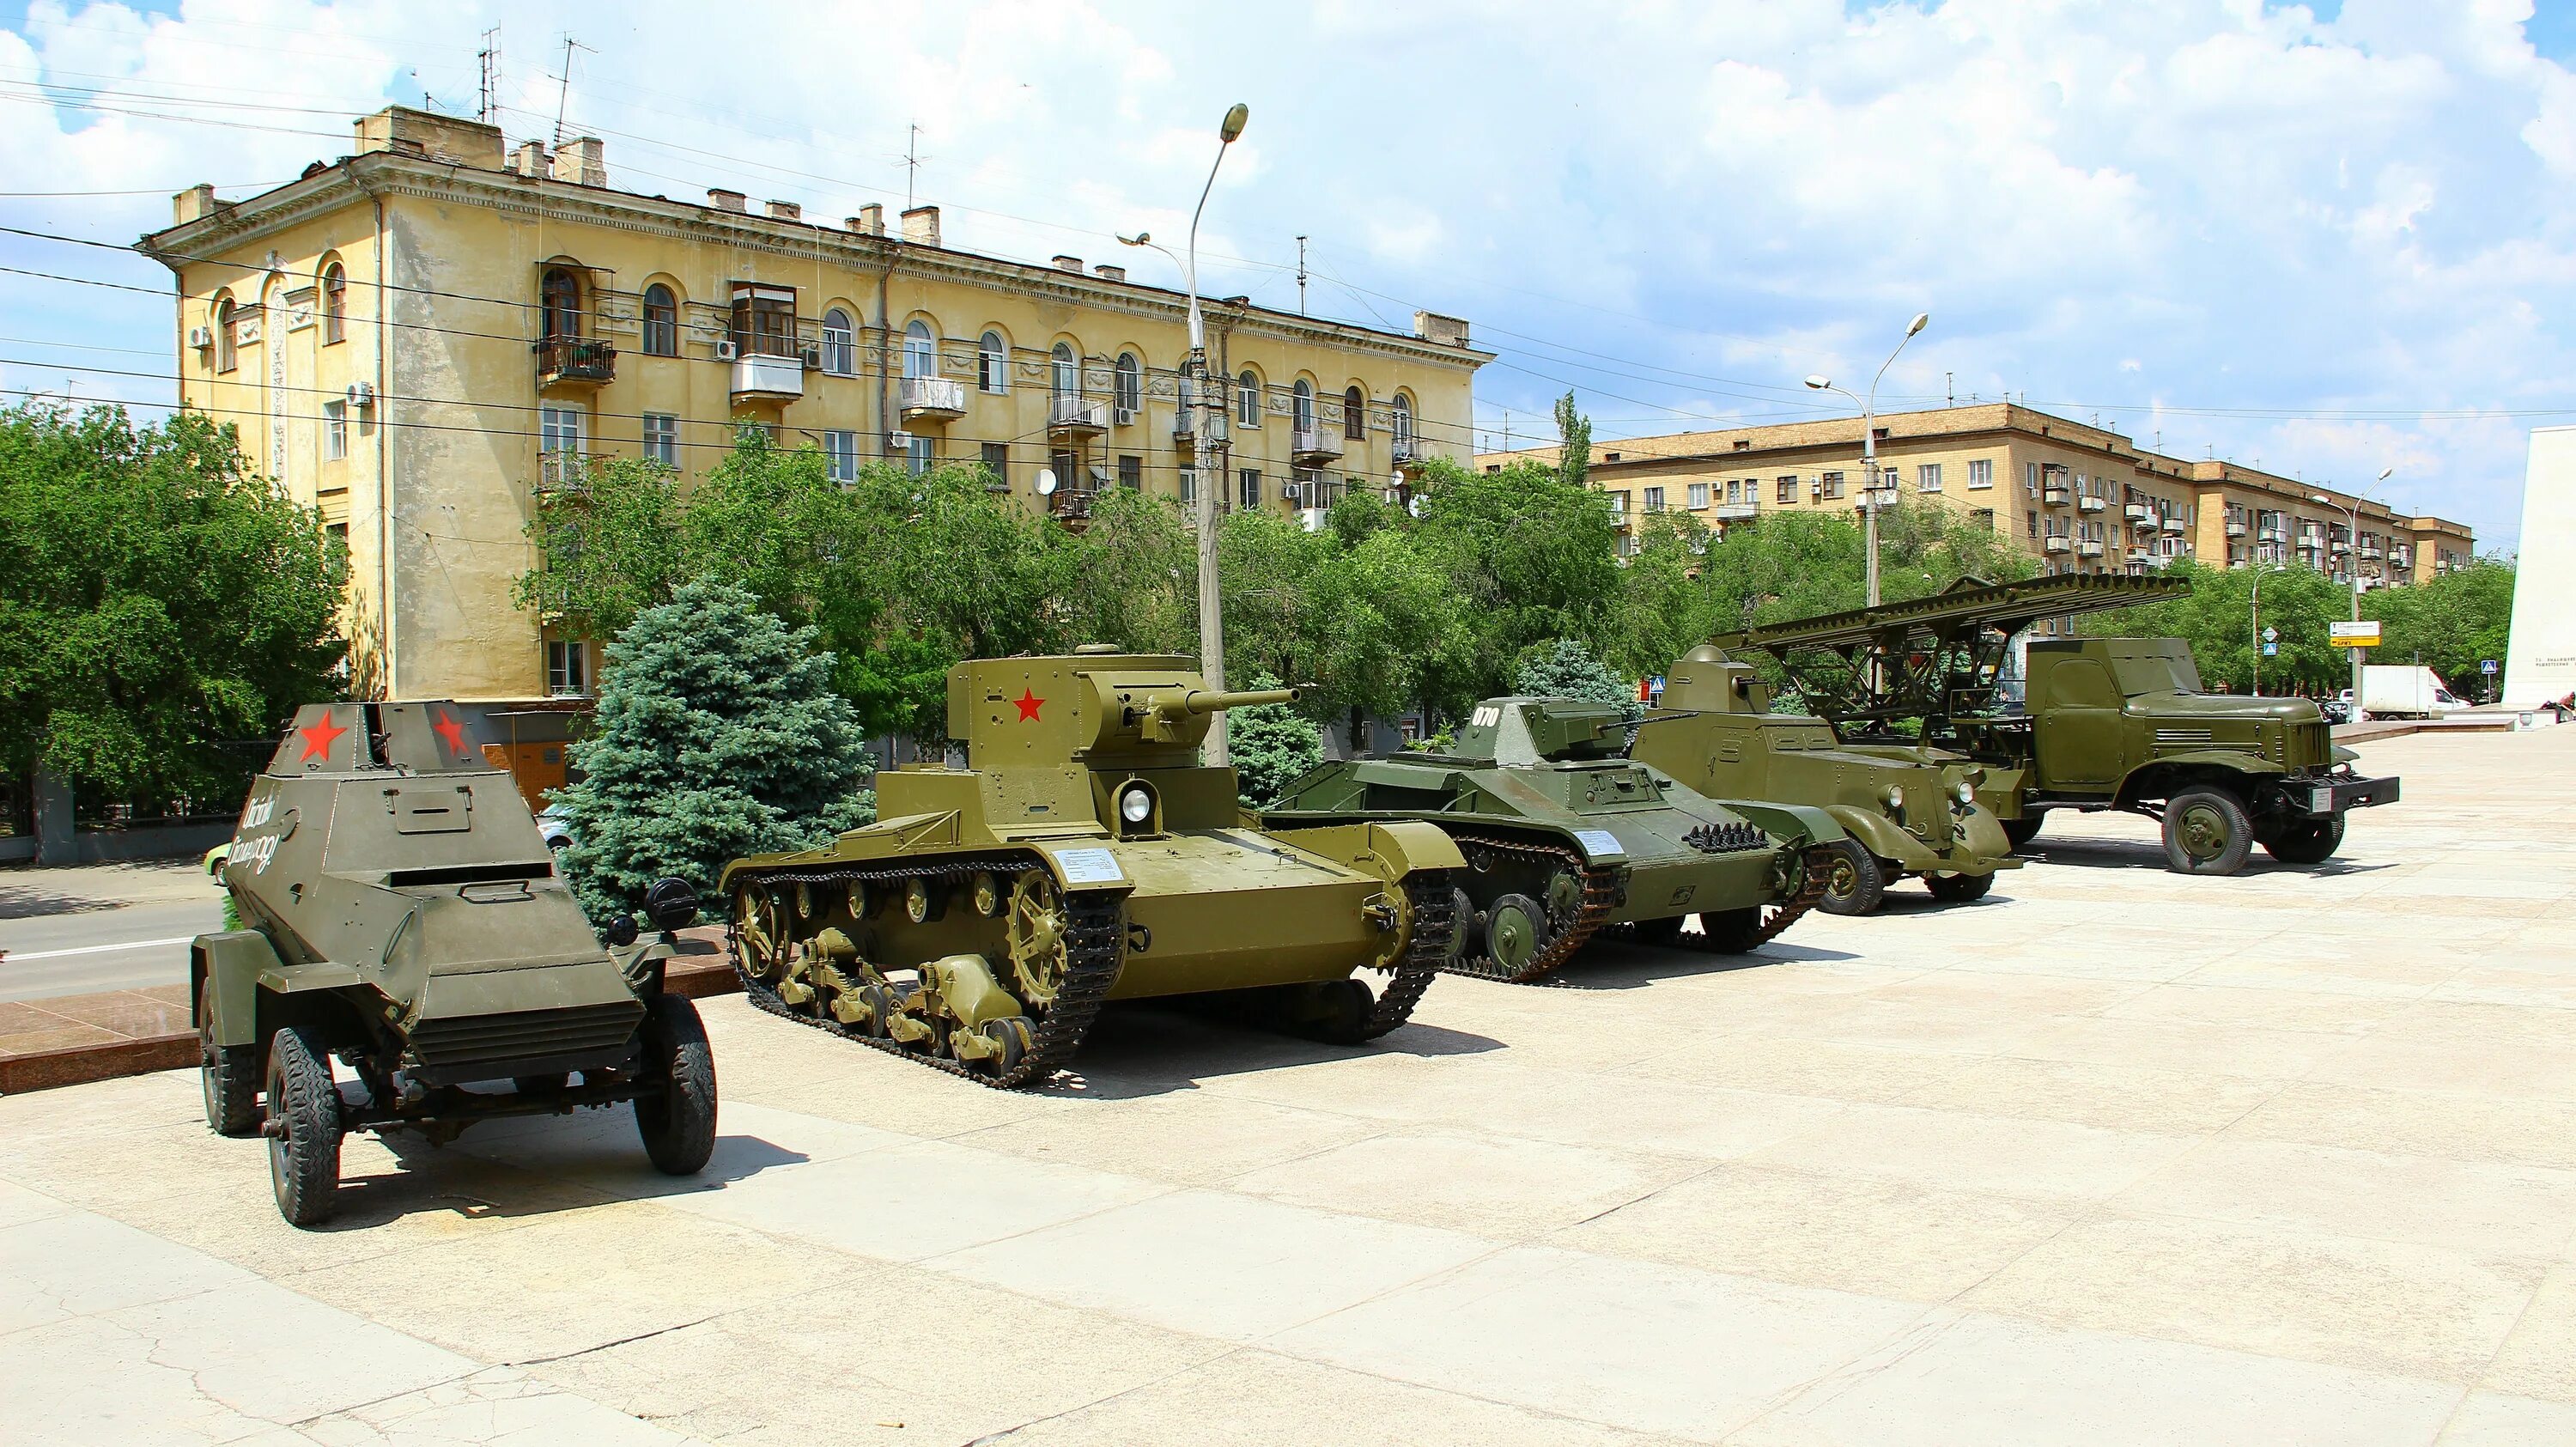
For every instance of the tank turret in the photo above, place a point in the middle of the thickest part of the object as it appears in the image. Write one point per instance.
(1708, 681)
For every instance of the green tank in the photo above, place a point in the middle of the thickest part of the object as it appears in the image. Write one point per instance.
(1906, 810)
(1564, 837)
(399, 912)
(1084, 854)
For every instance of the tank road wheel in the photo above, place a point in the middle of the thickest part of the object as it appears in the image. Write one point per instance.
(2305, 841)
(1466, 934)
(1731, 931)
(1564, 902)
(1033, 935)
(1856, 883)
(1012, 1038)
(676, 1115)
(1663, 932)
(1958, 888)
(2022, 830)
(231, 1074)
(303, 1128)
(2207, 832)
(1516, 931)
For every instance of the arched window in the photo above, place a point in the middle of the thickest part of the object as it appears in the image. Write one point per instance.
(335, 304)
(1130, 397)
(1067, 373)
(1355, 414)
(661, 321)
(993, 363)
(1400, 424)
(225, 355)
(840, 344)
(1247, 398)
(559, 304)
(1302, 406)
(920, 351)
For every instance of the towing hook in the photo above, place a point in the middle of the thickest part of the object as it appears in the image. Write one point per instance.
(1379, 911)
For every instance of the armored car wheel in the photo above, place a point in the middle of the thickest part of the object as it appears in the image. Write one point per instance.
(303, 1129)
(1958, 888)
(2307, 841)
(2207, 832)
(230, 1072)
(678, 1119)
(2022, 830)
(1857, 882)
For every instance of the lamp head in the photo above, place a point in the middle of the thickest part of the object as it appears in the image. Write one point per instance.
(2386, 472)
(1139, 239)
(2321, 497)
(1820, 381)
(1921, 320)
(1234, 121)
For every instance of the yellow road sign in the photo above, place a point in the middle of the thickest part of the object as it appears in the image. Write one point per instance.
(2353, 635)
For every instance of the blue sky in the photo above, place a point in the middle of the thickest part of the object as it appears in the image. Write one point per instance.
(2328, 237)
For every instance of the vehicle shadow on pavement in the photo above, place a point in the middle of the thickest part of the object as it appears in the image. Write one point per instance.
(2147, 854)
(522, 1169)
(1146, 1049)
(27, 901)
(1629, 965)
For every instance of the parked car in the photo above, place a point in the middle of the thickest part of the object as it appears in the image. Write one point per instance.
(554, 826)
(2337, 710)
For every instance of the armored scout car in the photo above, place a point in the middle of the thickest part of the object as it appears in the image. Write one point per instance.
(1564, 836)
(1084, 854)
(399, 914)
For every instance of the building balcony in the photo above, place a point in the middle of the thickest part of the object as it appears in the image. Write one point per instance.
(2138, 512)
(2089, 548)
(931, 399)
(2090, 503)
(2055, 496)
(1734, 512)
(2054, 544)
(1076, 418)
(761, 377)
(2235, 529)
(563, 472)
(575, 361)
(2370, 551)
(1314, 446)
(1404, 450)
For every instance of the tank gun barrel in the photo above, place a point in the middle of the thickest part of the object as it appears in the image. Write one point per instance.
(1209, 700)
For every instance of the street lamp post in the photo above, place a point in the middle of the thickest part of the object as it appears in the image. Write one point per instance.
(2352, 541)
(1210, 442)
(1869, 453)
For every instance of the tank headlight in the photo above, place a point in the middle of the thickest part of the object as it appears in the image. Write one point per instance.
(1892, 796)
(1136, 805)
(1967, 795)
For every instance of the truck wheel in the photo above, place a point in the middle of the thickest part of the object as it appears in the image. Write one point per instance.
(1856, 883)
(2307, 841)
(676, 1115)
(303, 1128)
(2207, 832)
(2022, 830)
(231, 1074)
(1516, 930)
(1958, 888)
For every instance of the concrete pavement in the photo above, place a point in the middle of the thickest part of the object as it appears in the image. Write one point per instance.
(96, 927)
(2111, 1157)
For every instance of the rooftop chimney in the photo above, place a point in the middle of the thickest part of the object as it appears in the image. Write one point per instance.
(1110, 273)
(870, 221)
(196, 201)
(786, 211)
(583, 162)
(1069, 263)
(724, 200)
(921, 224)
(1446, 331)
(425, 133)
(530, 159)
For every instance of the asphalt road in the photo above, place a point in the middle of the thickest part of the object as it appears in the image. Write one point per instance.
(105, 927)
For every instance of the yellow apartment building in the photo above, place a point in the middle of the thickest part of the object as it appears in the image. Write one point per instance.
(419, 337)
(2079, 498)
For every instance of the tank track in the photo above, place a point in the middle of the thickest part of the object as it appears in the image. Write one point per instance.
(1600, 896)
(1434, 912)
(1095, 949)
(1776, 917)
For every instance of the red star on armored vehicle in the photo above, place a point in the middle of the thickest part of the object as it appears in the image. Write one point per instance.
(451, 728)
(318, 736)
(1028, 705)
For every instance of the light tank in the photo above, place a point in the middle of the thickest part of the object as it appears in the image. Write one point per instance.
(1084, 854)
(1907, 810)
(398, 913)
(1564, 837)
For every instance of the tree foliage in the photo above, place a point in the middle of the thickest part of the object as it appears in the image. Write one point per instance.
(1567, 669)
(1574, 443)
(718, 734)
(2450, 624)
(1272, 745)
(155, 599)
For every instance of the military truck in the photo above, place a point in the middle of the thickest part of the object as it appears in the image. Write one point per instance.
(1906, 811)
(2088, 723)
(1084, 854)
(399, 914)
(1564, 836)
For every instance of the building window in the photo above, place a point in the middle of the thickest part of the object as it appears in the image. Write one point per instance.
(1698, 496)
(335, 305)
(1983, 517)
(920, 350)
(1787, 491)
(1355, 415)
(1829, 486)
(840, 344)
(662, 437)
(1127, 386)
(1619, 503)
(1981, 473)
(997, 461)
(661, 322)
(1654, 499)
(1247, 484)
(1189, 486)
(1399, 420)
(921, 453)
(335, 431)
(1247, 399)
(567, 668)
(1066, 372)
(841, 456)
(1302, 406)
(993, 364)
(1927, 477)
(559, 429)
(764, 320)
(559, 304)
(1131, 472)
(227, 346)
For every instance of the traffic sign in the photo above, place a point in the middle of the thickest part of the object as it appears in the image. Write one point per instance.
(2271, 635)
(2270, 649)
(2353, 635)
(2486, 665)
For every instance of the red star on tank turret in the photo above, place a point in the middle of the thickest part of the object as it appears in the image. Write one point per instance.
(318, 736)
(451, 728)
(1028, 705)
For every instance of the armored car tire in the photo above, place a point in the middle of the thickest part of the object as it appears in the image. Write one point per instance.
(2305, 841)
(230, 1072)
(2207, 831)
(1958, 888)
(1857, 883)
(677, 1120)
(303, 1128)
(2022, 830)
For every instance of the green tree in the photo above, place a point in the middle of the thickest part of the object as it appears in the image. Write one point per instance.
(2449, 624)
(155, 599)
(719, 734)
(1574, 443)
(2218, 620)
(1528, 556)
(1271, 744)
(1567, 669)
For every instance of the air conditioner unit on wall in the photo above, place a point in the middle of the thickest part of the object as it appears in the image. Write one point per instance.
(361, 395)
(201, 337)
(724, 351)
(1126, 415)
(813, 357)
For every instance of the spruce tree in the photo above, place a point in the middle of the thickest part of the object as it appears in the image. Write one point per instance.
(1567, 669)
(718, 735)
(1272, 745)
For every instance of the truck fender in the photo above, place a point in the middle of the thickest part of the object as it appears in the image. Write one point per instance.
(2240, 770)
(1875, 832)
(1800, 824)
(234, 960)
